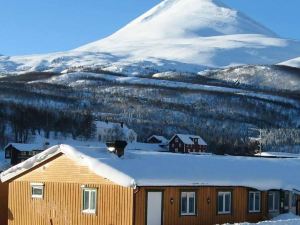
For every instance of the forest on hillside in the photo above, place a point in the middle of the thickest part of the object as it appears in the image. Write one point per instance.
(228, 122)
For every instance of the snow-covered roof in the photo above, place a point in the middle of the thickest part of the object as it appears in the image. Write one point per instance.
(26, 147)
(162, 139)
(187, 139)
(149, 168)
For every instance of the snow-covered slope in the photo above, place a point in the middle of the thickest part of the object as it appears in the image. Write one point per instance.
(292, 63)
(184, 35)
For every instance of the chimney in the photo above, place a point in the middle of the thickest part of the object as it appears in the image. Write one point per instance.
(117, 147)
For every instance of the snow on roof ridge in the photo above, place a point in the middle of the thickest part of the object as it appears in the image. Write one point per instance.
(99, 168)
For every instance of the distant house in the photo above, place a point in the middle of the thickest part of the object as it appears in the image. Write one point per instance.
(156, 139)
(19, 152)
(185, 143)
(110, 132)
(86, 185)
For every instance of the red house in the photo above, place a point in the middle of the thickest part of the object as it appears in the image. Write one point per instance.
(185, 143)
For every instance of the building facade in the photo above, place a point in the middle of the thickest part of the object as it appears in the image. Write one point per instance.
(61, 190)
(187, 144)
(19, 152)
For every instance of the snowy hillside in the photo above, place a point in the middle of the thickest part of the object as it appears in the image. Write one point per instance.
(292, 63)
(181, 35)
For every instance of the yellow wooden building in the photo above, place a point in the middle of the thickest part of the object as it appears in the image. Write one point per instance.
(91, 186)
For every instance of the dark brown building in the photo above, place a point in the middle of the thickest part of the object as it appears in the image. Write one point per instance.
(19, 152)
(156, 139)
(185, 143)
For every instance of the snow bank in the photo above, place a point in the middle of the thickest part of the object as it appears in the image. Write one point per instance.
(284, 219)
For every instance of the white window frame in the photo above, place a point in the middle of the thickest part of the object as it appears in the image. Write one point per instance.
(90, 190)
(273, 193)
(189, 194)
(254, 210)
(39, 186)
(223, 194)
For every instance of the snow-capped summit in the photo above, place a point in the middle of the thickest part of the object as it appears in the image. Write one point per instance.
(292, 63)
(183, 35)
(182, 19)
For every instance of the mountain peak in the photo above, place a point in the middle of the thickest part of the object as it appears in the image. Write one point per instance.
(183, 35)
(180, 19)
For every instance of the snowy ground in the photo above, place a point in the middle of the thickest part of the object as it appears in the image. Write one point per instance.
(284, 219)
(279, 154)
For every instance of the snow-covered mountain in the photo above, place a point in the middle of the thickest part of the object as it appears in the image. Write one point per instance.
(182, 35)
(292, 63)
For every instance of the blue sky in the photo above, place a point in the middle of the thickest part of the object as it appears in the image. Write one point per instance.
(40, 26)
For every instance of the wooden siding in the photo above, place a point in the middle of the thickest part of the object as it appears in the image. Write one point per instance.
(206, 213)
(62, 202)
(3, 203)
(63, 170)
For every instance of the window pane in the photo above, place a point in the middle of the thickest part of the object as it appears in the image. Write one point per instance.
(37, 191)
(294, 200)
(86, 199)
(183, 202)
(192, 204)
(93, 200)
(287, 199)
(270, 202)
(251, 200)
(257, 201)
(220, 203)
(227, 202)
(276, 201)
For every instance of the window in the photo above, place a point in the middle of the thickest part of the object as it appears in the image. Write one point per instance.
(7, 154)
(254, 201)
(224, 202)
(176, 140)
(23, 153)
(294, 200)
(89, 200)
(37, 190)
(273, 201)
(188, 203)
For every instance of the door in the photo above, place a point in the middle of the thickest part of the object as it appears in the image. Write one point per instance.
(154, 207)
